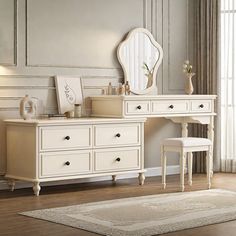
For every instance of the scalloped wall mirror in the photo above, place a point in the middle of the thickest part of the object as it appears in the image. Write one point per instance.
(140, 57)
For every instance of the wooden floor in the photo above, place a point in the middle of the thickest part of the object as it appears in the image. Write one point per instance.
(11, 203)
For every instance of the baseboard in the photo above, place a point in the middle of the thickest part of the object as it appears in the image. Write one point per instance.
(155, 171)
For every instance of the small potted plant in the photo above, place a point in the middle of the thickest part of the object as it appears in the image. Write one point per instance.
(188, 71)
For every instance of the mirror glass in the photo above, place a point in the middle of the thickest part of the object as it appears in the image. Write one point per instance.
(140, 56)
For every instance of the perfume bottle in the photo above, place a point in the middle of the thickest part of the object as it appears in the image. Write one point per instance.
(109, 89)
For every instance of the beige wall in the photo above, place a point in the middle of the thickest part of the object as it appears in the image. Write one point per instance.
(40, 39)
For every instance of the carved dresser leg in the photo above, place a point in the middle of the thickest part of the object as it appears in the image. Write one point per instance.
(184, 126)
(141, 178)
(36, 188)
(113, 178)
(11, 184)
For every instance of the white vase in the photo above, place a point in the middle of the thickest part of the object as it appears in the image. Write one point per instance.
(189, 85)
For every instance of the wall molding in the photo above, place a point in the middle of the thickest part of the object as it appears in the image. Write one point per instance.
(151, 172)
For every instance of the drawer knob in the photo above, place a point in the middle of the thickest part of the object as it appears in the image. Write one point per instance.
(201, 106)
(139, 107)
(118, 135)
(67, 137)
(67, 163)
(118, 159)
(171, 106)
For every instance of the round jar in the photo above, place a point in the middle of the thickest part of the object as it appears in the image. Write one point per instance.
(77, 110)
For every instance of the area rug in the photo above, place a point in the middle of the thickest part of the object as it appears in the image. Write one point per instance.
(148, 215)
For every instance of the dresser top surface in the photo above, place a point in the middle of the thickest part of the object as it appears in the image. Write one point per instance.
(73, 121)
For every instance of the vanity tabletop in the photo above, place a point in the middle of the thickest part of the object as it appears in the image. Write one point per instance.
(166, 96)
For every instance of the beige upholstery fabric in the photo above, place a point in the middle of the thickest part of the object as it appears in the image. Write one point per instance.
(187, 142)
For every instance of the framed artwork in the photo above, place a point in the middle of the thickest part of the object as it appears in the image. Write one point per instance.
(69, 92)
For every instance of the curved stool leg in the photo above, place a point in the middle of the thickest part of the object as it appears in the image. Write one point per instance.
(163, 164)
(209, 167)
(182, 165)
(190, 168)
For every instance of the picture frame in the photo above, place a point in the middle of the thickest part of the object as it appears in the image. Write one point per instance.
(69, 92)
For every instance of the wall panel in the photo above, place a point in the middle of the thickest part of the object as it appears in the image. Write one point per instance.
(8, 32)
(175, 44)
(78, 33)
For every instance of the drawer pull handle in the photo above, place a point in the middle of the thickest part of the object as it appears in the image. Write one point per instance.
(67, 163)
(118, 135)
(201, 106)
(171, 106)
(118, 159)
(67, 137)
(139, 107)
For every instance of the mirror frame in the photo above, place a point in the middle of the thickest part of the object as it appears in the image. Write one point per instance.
(156, 66)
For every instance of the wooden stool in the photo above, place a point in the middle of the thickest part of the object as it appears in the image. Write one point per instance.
(185, 146)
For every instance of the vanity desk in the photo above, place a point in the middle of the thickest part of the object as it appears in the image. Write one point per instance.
(140, 56)
(182, 109)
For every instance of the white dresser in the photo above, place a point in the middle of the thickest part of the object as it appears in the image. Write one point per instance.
(50, 150)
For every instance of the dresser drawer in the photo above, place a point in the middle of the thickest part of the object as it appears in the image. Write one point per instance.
(117, 159)
(200, 106)
(169, 106)
(137, 107)
(65, 137)
(117, 135)
(65, 163)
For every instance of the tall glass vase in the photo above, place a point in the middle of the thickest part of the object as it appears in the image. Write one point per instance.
(188, 84)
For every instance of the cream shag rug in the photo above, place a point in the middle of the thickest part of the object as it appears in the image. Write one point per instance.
(148, 215)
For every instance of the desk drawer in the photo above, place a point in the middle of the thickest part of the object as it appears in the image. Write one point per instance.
(169, 106)
(65, 163)
(65, 137)
(117, 159)
(200, 106)
(137, 107)
(117, 135)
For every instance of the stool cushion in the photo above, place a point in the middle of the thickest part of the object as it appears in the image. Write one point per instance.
(186, 142)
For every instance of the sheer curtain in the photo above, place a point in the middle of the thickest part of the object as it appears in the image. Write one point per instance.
(228, 85)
